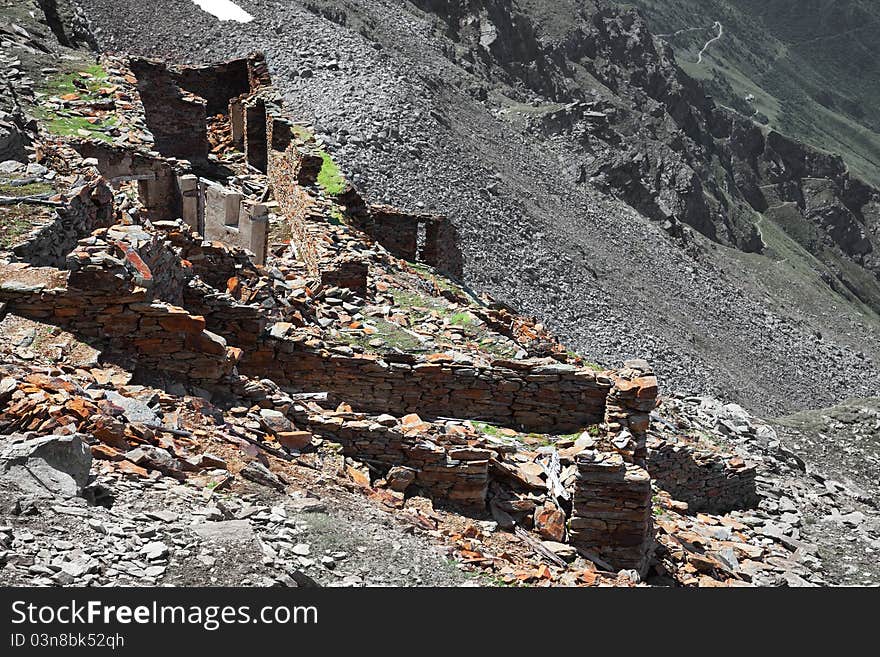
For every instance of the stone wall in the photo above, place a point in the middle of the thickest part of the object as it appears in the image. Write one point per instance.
(540, 396)
(395, 230)
(417, 237)
(611, 510)
(240, 325)
(293, 167)
(628, 409)
(413, 236)
(216, 83)
(447, 470)
(89, 207)
(156, 177)
(214, 262)
(705, 478)
(177, 118)
(99, 302)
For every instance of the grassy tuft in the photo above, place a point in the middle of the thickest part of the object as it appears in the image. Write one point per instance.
(330, 179)
(15, 223)
(461, 319)
(31, 189)
(66, 123)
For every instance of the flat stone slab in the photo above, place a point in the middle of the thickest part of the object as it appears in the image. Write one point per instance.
(225, 531)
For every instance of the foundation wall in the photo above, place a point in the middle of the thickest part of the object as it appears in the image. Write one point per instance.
(611, 511)
(446, 471)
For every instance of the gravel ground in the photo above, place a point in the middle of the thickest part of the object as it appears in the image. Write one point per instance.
(160, 533)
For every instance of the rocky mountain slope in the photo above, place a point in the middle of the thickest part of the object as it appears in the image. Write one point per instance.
(566, 145)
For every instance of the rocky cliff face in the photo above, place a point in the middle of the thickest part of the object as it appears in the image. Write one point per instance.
(666, 148)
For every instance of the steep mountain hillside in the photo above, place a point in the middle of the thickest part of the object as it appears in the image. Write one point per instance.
(213, 347)
(809, 69)
(592, 182)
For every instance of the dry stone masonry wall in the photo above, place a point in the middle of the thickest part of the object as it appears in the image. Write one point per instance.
(611, 511)
(705, 478)
(539, 395)
(447, 468)
(89, 207)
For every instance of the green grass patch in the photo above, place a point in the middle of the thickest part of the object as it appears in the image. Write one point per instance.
(303, 133)
(31, 189)
(490, 430)
(63, 83)
(408, 300)
(67, 123)
(330, 179)
(441, 281)
(392, 336)
(64, 124)
(461, 319)
(336, 217)
(583, 362)
(15, 223)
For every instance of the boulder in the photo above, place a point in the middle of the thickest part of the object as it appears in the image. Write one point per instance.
(550, 523)
(134, 409)
(399, 478)
(260, 474)
(53, 465)
(230, 531)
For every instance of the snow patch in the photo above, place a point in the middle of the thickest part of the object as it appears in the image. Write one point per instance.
(225, 10)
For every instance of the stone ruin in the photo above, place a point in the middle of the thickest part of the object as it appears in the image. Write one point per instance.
(159, 284)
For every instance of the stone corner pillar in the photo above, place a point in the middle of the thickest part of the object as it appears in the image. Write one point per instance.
(611, 511)
(191, 204)
(628, 407)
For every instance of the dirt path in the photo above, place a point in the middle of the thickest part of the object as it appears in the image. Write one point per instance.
(720, 29)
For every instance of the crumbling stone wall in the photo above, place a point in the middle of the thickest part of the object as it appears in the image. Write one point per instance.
(151, 264)
(628, 408)
(213, 262)
(89, 207)
(611, 510)
(173, 277)
(416, 237)
(98, 301)
(293, 167)
(156, 177)
(177, 118)
(241, 325)
(216, 83)
(708, 480)
(399, 232)
(446, 470)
